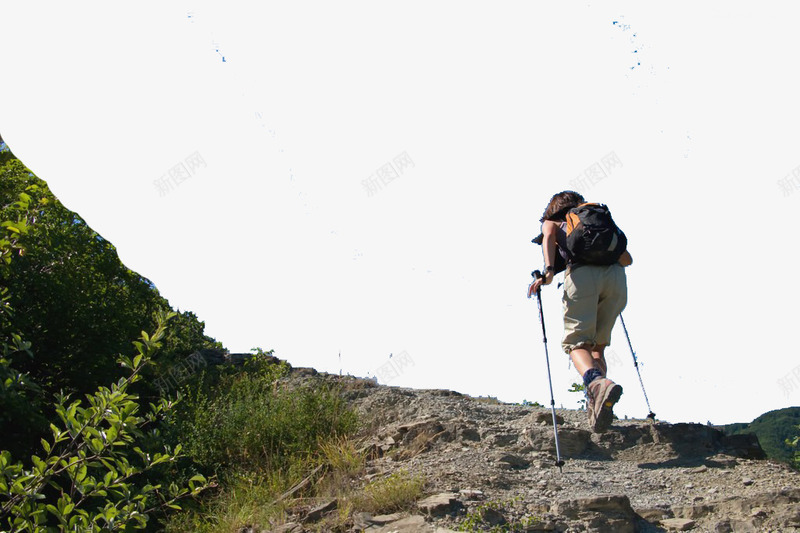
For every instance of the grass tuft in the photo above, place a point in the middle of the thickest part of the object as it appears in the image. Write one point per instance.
(397, 492)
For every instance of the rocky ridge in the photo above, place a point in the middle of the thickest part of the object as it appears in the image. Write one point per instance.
(490, 466)
(638, 476)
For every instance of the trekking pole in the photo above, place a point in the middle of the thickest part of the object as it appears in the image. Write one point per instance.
(651, 415)
(536, 275)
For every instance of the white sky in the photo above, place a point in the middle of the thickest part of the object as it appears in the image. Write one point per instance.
(276, 243)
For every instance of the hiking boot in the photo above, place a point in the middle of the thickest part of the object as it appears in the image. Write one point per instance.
(603, 394)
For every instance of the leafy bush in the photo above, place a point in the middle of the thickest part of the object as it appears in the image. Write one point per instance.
(85, 479)
(794, 443)
(75, 301)
(21, 422)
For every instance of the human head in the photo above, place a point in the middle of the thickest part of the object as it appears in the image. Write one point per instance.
(561, 203)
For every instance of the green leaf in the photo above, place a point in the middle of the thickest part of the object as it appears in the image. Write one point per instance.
(10, 226)
(80, 475)
(40, 465)
(110, 478)
(96, 445)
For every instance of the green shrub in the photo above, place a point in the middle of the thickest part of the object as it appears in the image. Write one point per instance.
(261, 434)
(255, 419)
(75, 301)
(579, 387)
(794, 461)
(86, 477)
(21, 420)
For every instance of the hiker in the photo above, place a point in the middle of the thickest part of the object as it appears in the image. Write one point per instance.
(594, 295)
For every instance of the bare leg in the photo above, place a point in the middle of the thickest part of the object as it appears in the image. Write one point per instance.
(582, 359)
(603, 394)
(599, 358)
(585, 358)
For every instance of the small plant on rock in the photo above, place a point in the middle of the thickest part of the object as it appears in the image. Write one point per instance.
(490, 516)
(576, 387)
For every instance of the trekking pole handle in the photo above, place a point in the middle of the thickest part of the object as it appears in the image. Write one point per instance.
(536, 275)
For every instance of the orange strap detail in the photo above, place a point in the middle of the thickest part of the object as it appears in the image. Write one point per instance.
(572, 222)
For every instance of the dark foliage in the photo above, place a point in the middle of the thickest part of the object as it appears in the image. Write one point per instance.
(772, 429)
(75, 303)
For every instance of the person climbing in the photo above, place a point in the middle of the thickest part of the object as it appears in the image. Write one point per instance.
(594, 296)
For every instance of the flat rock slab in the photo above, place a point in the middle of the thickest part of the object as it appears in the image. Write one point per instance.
(572, 441)
(677, 524)
(384, 519)
(409, 524)
(545, 417)
(439, 504)
(618, 504)
(319, 511)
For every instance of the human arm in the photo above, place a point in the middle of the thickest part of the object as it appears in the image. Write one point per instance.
(625, 259)
(549, 229)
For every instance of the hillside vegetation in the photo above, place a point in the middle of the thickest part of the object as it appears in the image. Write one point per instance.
(775, 431)
(110, 419)
(119, 413)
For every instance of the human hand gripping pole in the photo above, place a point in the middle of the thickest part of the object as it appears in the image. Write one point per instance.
(537, 288)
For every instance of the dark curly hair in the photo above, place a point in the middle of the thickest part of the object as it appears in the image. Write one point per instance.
(559, 205)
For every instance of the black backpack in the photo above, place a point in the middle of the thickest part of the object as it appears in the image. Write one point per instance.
(592, 236)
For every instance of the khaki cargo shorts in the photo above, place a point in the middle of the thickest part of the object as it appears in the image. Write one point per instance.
(594, 296)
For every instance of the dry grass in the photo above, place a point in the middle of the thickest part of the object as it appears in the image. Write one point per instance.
(397, 492)
(247, 500)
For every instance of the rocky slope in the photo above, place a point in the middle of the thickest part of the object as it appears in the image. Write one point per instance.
(490, 466)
